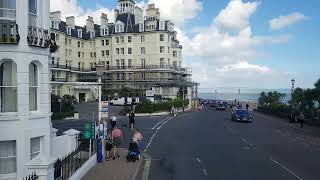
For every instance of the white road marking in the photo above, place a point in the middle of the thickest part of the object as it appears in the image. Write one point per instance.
(154, 134)
(287, 169)
(159, 123)
(205, 172)
(247, 142)
(199, 161)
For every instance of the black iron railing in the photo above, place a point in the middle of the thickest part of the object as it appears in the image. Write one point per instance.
(59, 79)
(9, 32)
(40, 37)
(64, 168)
(32, 176)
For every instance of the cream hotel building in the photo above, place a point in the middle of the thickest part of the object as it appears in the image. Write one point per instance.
(138, 52)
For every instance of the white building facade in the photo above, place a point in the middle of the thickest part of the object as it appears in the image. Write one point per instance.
(25, 46)
(138, 52)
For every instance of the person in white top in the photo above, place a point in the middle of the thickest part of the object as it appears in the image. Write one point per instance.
(137, 136)
(113, 121)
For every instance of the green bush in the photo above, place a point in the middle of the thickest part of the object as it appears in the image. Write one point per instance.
(149, 107)
(62, 115)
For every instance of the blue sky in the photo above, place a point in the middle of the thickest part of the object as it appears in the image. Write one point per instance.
(230, 43)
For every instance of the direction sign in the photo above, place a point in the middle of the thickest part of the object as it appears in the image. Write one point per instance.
(89, 130)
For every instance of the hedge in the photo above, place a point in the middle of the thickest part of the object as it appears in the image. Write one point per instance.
(62, 115)
(149, 107)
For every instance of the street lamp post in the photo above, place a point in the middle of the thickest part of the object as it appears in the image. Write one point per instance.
(100, 145)
(99, 69)
(182, 98)
(292, 106)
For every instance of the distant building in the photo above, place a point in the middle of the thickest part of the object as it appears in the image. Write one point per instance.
(25, 45)
(137, 52)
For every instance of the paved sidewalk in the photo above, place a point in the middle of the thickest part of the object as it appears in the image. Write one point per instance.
(118, 169)
(307, 129)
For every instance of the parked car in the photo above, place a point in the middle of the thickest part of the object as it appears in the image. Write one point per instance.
(119, 101)
(241, 115)
(213, 104)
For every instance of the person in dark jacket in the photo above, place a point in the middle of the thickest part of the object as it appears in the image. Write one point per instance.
(301, 119)
(131, 120)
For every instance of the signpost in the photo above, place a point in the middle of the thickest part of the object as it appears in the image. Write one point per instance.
(89, 133)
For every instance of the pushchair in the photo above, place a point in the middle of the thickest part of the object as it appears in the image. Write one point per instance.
(133, 152)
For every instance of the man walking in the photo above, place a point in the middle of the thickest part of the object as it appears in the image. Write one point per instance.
(247, 107)
(131, 120)
(117, 140)
(301, 119)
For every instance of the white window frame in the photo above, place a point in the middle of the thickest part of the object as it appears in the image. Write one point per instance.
(11, 11)
(54, 24)
(129, 39)
(12, 157)
(142, 38)
(13, 86)
(129, 50)
(162, 25)
(35, 86)
(122, 39)
(122, 50)
(68, 29)
(143, 50)
(37, 152)
(161, 37)
(141, 27)
(161, 49)
(33, 15)
(79, 33)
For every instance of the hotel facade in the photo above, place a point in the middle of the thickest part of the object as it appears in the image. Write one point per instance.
(137, 52)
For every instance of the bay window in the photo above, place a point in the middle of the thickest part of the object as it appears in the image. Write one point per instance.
(8, 9)
(33, 87)
(8, 86)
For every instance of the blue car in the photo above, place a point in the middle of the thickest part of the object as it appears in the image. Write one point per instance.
(241, 115)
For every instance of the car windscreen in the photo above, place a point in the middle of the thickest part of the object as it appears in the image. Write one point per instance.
(242, 112)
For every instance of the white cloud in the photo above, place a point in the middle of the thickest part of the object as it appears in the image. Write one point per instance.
(71, 8)
(179, 11)
(225, 50)
(236, 15)
(285, 21)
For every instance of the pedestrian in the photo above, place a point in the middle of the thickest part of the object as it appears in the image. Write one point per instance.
(108, 147)
(172, 110)
(137, 138)
(247, 107)
(117, 140)
(131, 120)
(113, 121)
(301, 119)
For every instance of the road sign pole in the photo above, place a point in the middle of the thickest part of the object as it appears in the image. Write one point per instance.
(89, 148)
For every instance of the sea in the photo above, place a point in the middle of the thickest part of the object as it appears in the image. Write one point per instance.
(248, 97)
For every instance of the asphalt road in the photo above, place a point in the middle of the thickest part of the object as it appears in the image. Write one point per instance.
(208, 145)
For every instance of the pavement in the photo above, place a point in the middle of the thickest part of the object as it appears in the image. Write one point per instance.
(208, 145)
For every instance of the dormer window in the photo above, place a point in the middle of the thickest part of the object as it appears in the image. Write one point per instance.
(119, 28)
(92, 34)
(54, 24)
(104, 31)
(162, 25)
(79, 33)
(69, 31)
(141, 27)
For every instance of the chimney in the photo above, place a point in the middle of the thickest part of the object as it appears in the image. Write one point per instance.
(116, 12)
(70, 21)
(90, 23)
(104, 19)
(56, 15)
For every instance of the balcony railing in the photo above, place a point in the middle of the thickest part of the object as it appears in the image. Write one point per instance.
(73, 68)
(9, 32)
(40, 37)
(59, 79)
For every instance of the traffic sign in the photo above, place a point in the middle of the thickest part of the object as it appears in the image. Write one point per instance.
(89, 130)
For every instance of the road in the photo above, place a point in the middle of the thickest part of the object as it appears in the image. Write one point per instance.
(208, 145)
